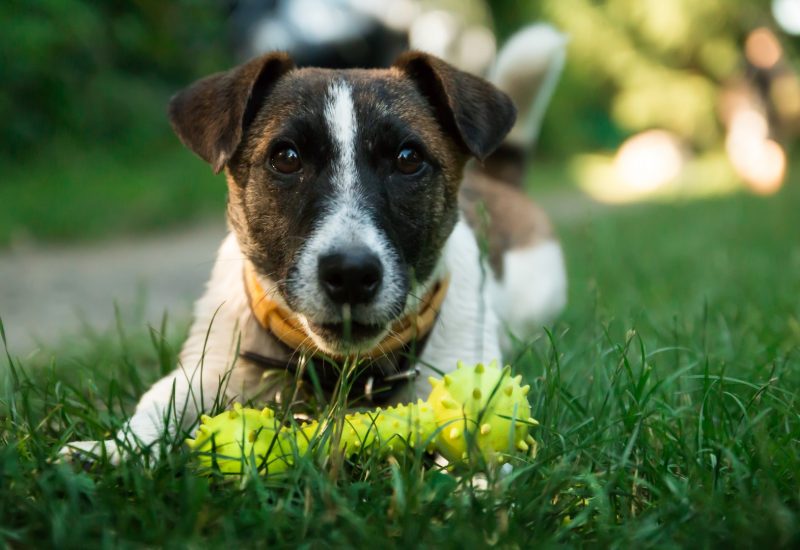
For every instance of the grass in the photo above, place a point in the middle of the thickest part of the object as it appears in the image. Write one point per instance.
(668, 396)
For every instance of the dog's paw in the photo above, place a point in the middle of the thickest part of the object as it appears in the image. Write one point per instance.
(87, 453)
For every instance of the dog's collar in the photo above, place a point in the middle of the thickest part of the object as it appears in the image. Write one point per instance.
(286, 327)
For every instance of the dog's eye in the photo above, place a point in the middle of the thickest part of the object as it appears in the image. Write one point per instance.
(409, 160)
(285, 159)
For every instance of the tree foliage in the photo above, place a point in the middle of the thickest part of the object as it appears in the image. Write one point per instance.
(638, 64)
(94, 70)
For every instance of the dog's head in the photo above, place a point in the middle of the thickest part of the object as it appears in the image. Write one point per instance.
(343, 184)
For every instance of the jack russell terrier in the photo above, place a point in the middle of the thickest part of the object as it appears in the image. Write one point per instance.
(359, 232)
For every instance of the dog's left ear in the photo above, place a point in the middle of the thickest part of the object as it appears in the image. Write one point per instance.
(476, 112)
(211, 116)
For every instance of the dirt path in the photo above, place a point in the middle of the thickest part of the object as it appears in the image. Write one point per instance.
(47, 293)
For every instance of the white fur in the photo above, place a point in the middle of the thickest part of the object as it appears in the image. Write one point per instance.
(533, 289)
(467, 327)
(340, 116)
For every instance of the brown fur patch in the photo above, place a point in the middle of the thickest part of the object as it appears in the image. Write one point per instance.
(502, 216)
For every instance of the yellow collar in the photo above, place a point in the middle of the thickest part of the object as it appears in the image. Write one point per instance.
(286, 327)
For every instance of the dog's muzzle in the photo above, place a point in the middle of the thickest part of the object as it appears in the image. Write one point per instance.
(287, 327)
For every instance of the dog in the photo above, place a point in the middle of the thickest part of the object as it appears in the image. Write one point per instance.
(360, 228)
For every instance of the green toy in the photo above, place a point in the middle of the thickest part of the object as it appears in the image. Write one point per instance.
(481, 409)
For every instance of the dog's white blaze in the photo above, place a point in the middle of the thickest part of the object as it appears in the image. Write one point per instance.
(340, 114)
(344, 223)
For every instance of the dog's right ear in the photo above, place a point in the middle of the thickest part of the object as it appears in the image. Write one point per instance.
(211, 116)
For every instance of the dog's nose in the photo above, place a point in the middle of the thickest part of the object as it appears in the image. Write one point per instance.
(350, 276)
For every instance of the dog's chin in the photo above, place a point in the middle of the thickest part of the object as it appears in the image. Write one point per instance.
(339, 338)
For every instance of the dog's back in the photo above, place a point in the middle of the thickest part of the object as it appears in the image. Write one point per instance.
(529, 279)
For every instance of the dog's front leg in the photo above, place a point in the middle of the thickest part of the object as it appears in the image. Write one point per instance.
(174, 403)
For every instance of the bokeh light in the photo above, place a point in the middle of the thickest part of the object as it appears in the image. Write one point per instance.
(469, 46)
(787, 15)
(762, 48)
(758, 160)
(433, 32)
(785, 94)
(476, 49)
(649, 160)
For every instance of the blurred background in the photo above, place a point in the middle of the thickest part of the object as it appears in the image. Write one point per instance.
(666, 101)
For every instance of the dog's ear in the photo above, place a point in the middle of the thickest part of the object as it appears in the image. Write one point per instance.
(211, 116)
(477, 113)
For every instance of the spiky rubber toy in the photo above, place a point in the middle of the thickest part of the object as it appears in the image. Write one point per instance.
(472, 411)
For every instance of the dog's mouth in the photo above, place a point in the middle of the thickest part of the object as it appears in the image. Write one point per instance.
(353, 335)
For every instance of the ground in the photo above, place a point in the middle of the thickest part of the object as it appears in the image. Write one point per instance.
(668, 396)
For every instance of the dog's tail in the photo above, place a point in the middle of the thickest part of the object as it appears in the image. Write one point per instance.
(527, 68)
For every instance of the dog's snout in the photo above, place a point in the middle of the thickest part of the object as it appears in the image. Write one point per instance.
(350, 276)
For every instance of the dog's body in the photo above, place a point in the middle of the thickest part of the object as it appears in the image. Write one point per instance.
(349, 204)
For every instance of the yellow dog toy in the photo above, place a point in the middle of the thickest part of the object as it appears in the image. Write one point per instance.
(481, 409)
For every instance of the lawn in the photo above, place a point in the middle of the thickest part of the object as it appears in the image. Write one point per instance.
(668, 396)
